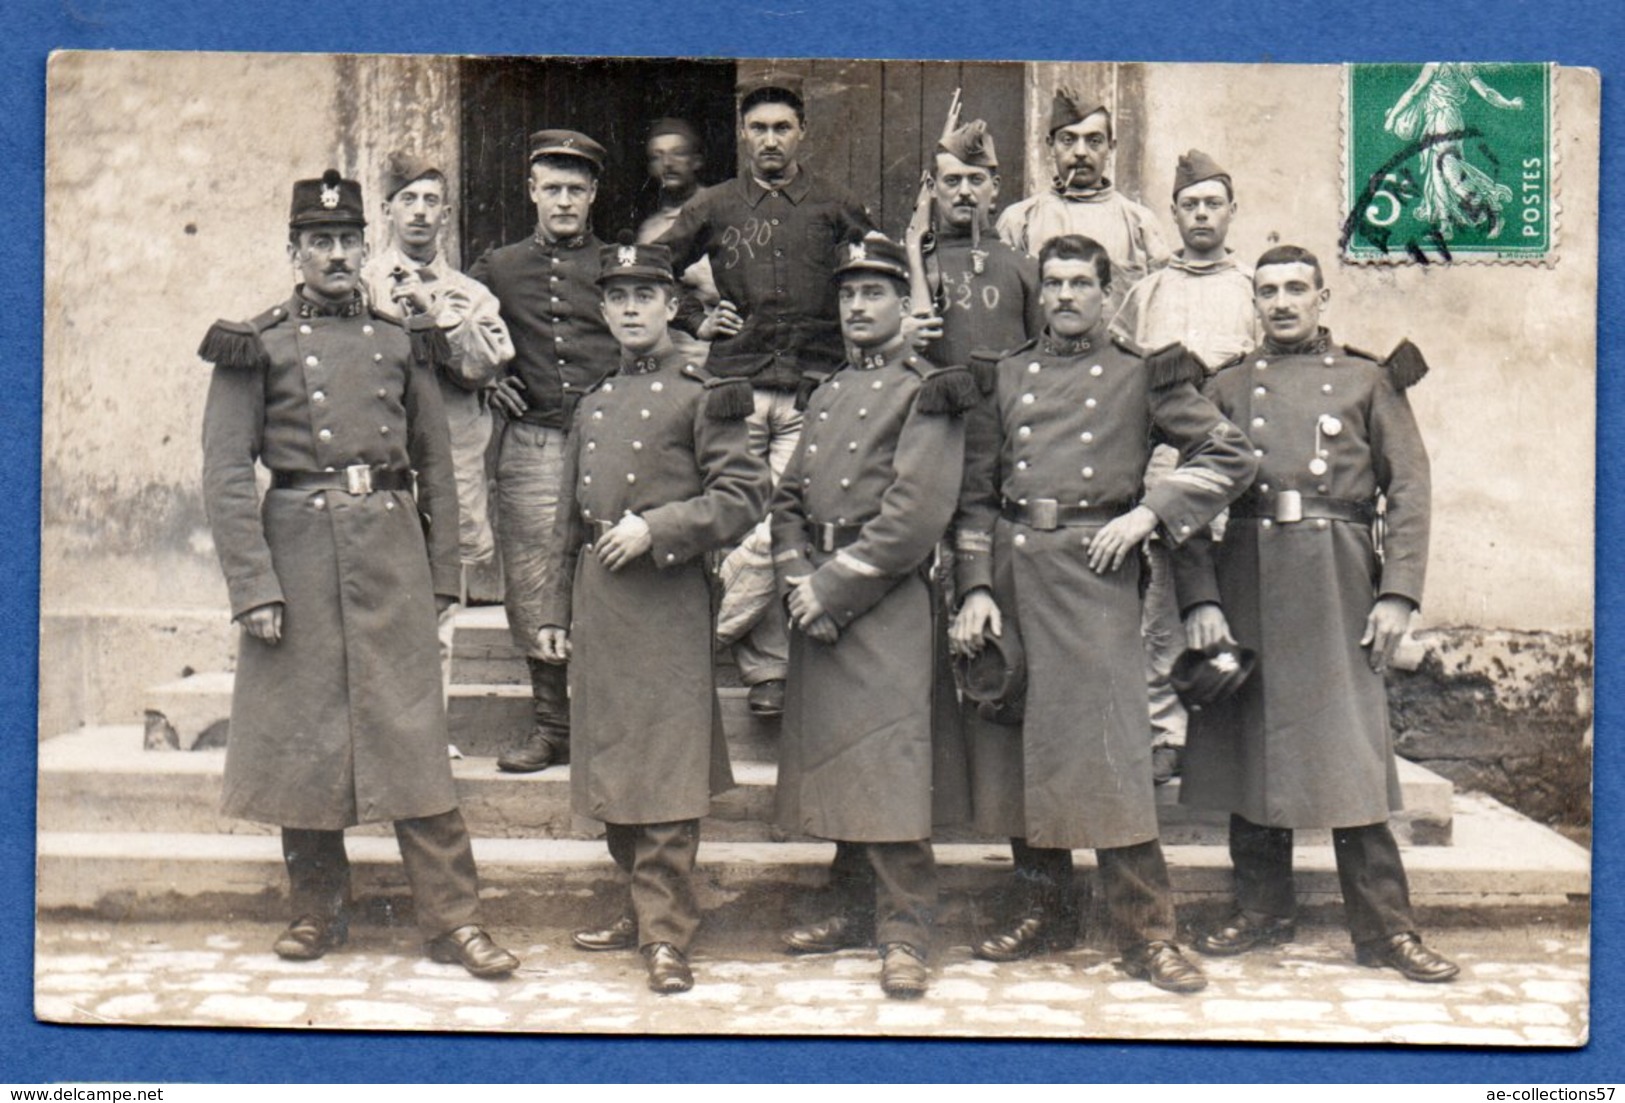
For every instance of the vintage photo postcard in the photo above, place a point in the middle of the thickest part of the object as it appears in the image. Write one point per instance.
(818, 547)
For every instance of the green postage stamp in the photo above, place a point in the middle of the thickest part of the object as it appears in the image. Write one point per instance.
(1447, 162)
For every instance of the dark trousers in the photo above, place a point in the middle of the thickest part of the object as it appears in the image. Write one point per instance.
(439, 865)
(1139, 897)
(892, 885)
(658, 859)
(1376, 895)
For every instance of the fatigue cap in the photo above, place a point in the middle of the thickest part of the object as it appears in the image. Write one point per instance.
(1195, 167)
(1068, 108)
(567, 143)
(972, 144)
(329, 199)
(406, 168)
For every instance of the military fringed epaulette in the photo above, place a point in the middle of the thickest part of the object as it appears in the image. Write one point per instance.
(1361, 354)
(728, 399)
(984, 368)
(234, 345)
(805, 388)
(949, 391)
(1172, 365)
(1405, 365)
(238, 344)
(430, 346)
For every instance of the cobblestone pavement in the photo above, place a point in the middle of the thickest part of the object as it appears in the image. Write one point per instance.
(1524, 986)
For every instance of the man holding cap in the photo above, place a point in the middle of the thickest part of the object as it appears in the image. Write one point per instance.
(549, 295)
(411, 277)
(867, 495)
(1302, 578)
(1082, 200)
(773, 237)
(1203, 300)
(336, 578)
(658, 471)
(1057, 496)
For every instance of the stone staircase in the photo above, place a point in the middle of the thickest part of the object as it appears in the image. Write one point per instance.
(129, 823)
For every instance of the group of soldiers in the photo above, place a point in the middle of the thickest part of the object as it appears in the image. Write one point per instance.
(754, 382)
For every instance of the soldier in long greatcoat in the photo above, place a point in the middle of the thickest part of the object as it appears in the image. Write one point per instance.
(1299, 579)
(337, 717)
(1053, 514)
(657, 472)
(868, 493)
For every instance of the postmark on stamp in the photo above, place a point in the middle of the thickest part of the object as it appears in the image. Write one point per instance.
(1449, 162)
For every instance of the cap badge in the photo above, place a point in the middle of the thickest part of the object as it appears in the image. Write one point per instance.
(626, 256)
(859, 252)
(330, 196)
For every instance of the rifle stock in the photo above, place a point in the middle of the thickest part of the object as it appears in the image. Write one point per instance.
(920, 291)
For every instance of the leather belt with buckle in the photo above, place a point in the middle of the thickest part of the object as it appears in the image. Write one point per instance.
(1047, 514)
(832, 538)
(1288, 507)
(355, 479)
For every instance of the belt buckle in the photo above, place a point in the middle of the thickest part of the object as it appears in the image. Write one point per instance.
(1044, 514)
(1288, 507)
(358, 479)
(826, 538)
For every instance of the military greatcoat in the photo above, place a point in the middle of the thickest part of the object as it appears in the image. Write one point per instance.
(1073, 421)
(1306, 742)
(657, 441)
(880, 459)
(342, 721)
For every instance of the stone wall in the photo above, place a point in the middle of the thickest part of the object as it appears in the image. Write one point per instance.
(1504, 713)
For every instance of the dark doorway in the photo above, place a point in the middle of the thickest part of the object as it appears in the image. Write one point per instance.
(613, 101)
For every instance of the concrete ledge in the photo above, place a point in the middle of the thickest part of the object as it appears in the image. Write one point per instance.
(1500, 859)
(100, 779)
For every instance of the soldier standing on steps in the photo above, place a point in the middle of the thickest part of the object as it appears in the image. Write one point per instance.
(562, 349)
(867, 495)
(657, 473)
(337, 578)
(1052, 518)
(1300, 579)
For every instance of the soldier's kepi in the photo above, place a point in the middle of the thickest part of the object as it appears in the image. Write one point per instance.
(861, 506)
(336, 710)
(658, 473)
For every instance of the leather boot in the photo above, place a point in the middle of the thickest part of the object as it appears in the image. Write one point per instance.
(548, 742)
(1048, 920)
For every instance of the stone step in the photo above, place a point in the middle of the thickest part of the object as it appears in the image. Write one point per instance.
(1500, 860)
(101, 779)
(483, 652)
(482, 719)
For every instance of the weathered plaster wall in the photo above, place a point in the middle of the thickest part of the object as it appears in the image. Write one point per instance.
(167, 189)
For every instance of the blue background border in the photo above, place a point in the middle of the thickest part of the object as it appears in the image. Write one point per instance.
(1569, 31)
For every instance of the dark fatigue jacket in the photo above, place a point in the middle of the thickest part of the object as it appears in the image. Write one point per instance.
(1306, 742)
(1074, 421)
(562, 347)
(880, 458)
(986, 302)
(657, 441)
(342, 721)
(773, 253)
